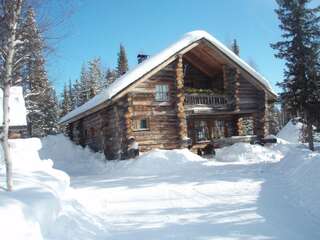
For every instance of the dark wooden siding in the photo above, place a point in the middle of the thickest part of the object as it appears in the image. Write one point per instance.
(194, 78)
(248, 95)
(162, 116)
(108, 130)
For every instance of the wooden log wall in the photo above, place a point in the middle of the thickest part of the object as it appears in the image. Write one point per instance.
(77, 132)
(17, 132)
(248, 95)
(231, 78)
(260, 117)
(109, 129)
(128, 117)
(91, 128)
(115, 130)
(162, 116)
(104, 131)
(182, 122)
(238, 126)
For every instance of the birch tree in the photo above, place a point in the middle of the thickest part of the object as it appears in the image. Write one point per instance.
(10, 43)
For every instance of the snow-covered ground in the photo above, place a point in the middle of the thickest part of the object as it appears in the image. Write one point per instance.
(31, 209)
(247, 192)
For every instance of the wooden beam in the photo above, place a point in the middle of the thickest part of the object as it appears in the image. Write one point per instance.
(182, 122)
(244, 72)
(198, 66)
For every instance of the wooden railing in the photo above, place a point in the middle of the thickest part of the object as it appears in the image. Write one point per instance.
(214, 101)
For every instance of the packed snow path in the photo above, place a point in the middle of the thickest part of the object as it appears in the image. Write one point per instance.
(178, 195)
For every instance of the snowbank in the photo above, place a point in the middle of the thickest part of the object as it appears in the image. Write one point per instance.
(78, 161)
(291, 132)
(158, 163)
(297, 169)
(247, 153)
(30, 210)
(73, 159)
(300, 169)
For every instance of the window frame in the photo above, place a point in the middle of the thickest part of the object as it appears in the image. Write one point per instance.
(201, 127)
(136, 124)
(160, 94)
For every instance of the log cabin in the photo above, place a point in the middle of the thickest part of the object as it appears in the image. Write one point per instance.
(192, 93)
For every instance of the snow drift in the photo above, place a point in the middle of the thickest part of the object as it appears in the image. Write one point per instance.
(73, 159)
(30, 210)
(247, 153)
(158, 163)
(291, 132)
(300, 170)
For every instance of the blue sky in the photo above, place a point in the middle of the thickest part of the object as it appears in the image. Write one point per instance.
(97, 27)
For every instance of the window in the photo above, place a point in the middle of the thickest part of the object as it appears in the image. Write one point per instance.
(141, 124)
(162, 93)
(202, 131)
(218, 130)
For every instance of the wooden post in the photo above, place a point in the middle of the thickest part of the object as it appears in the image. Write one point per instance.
(128, 120)
(237, 91)
(231, 84)
(128, 117)
(260, 117)
(117, 140)
(225, 78)
(239, 126)
(182, 123)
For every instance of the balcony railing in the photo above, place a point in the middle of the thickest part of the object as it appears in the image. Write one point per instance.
(206, 100)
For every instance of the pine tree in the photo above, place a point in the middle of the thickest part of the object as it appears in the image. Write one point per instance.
(300, 49)
(111, 76)
(84, 86)
(122, 65)
(71, 95)
(273, 119)
(66, 105)
(40, 102)
(76, 94)
(52, 110)
(95, 76)
(235, 47)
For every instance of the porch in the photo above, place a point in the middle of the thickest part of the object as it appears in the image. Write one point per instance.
(220, 130)
(209, 102)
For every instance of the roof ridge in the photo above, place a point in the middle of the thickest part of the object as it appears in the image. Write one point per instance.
(141, 69)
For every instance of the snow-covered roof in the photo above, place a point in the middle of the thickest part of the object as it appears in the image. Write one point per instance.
(146, 66)
(18, 112)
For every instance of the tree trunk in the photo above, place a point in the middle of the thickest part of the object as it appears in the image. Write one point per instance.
(14, 15)
(309, 131)
(5, 142)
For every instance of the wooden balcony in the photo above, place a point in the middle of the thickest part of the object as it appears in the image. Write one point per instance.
(206, 102)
